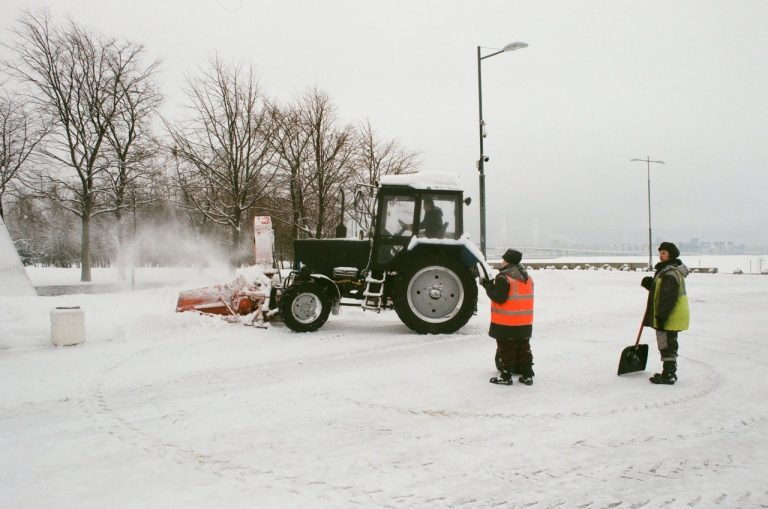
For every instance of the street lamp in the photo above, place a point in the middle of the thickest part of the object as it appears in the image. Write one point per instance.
(483, 159)
(648, 162)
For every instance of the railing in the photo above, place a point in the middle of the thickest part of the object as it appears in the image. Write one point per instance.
(622, 266)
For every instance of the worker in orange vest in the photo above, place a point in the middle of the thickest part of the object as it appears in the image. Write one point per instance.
(511, 294)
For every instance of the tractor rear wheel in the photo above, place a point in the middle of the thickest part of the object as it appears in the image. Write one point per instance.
(435, 295)
(305, 307)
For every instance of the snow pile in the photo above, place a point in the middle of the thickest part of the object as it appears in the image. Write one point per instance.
(13, 278)
(425, 180)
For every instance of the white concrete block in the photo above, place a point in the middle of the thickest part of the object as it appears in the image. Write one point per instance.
(67, 326)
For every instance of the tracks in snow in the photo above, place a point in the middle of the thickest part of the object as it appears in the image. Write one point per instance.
(597, 458)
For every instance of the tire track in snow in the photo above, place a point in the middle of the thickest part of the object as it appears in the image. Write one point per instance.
(277, 368)
(712, 382)
(99, 411)
(679, 469)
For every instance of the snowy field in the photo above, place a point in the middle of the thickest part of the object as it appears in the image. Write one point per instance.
(158, 409)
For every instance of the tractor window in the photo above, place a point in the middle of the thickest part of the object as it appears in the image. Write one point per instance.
(397, 216)
(438, 217)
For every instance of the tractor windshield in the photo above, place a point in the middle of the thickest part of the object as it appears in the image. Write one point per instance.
(397, 215)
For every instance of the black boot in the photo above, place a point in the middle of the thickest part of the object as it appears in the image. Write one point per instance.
(504, 379)
(668, 376)
(526, 376)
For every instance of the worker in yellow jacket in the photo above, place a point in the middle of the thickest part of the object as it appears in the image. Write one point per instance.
(667, 308)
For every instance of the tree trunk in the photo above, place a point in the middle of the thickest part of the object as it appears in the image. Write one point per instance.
(235, 236)
(294, 210)
(320, 219)
(85, 252)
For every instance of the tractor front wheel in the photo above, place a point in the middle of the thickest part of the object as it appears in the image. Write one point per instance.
(305, 307)
(435, 295)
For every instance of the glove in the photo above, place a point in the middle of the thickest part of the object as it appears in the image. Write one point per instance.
(647, 282)
(487, 283)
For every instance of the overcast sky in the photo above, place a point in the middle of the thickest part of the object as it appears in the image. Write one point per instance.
(602, 82)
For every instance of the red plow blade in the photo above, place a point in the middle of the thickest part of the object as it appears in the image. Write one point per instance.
(235, 298)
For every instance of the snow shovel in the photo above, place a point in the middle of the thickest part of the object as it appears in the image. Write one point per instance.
(634, 358)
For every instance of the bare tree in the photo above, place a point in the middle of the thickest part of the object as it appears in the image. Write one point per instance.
(375, 158)
(225, 159)
(291, 142)
(319, 161)
(77, 78)
(134, 149)
(330, 158)
(19, 136)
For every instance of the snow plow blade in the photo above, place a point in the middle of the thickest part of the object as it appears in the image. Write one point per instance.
(215, 300)
(235, 298)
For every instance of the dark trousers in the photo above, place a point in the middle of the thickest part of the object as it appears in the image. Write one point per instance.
(514, 355)
(667, 343)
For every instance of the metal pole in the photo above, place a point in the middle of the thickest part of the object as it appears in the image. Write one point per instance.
(650, 236)
(481, 161)
(481, 126)
(648, 162)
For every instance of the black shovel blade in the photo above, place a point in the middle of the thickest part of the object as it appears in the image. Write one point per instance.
(633, 358)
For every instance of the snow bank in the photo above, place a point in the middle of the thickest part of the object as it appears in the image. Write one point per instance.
(13, 278)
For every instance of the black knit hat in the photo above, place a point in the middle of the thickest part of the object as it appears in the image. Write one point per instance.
(670, 248)
(512, 256)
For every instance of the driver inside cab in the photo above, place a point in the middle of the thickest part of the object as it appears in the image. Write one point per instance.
(432, 223)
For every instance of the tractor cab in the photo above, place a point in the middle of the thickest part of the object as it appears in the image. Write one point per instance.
(409, 207)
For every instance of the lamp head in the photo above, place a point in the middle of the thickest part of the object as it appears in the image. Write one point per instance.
(512, 46)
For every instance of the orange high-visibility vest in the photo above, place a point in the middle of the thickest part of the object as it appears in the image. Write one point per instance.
(518, 308)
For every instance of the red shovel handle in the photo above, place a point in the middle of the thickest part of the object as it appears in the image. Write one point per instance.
(639, 333)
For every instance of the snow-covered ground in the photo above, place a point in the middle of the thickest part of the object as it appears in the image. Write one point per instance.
(158, 409)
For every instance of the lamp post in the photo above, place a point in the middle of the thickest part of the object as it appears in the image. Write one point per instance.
(648, 162)
(483, 159)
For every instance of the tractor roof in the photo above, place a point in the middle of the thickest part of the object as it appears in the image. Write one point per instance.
(434, 181)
